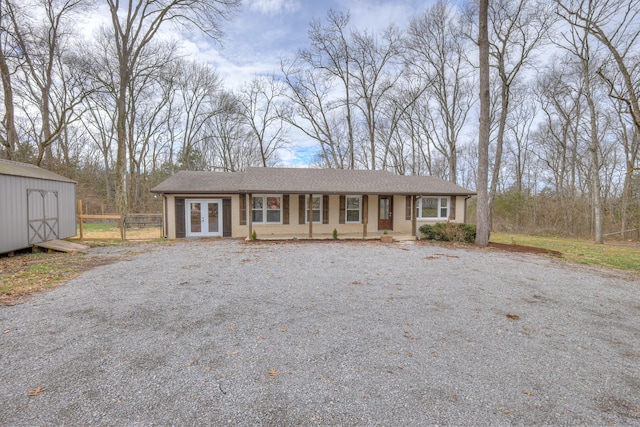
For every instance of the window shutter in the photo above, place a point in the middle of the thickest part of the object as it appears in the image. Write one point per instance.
(181, 226)
(325, 209)
(365, 209)
(342, 209)
(301, 209)
(407, 214)
(243, 209)
(452, 208)
(285, 209)
(226, 217)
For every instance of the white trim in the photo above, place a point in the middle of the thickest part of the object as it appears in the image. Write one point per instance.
(346, 209)
(204, 219)
(265, 209)
(439, 208)
(306, 208)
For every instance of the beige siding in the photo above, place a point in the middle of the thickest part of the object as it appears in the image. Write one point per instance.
(400, 224)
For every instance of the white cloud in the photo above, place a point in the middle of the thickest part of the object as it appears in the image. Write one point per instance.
(274, 7)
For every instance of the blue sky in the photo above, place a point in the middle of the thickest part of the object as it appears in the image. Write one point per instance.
(266, 30)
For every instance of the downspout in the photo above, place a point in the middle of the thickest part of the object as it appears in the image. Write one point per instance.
(165, 213)
(465, 208)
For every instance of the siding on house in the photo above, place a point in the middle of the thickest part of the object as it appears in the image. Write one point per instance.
(240, 229)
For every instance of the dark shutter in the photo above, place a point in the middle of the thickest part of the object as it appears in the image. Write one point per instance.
(226, 217)
(243, 209)
(301, 209)
(181, 227)
(285, 209)
(452, 208)
(325, 209)
(365, 209)
(342, 209)
(407, 214)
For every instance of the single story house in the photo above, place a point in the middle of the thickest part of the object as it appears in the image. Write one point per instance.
(300, 202)
(36, 206)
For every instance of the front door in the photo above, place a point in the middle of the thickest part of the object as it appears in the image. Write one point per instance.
(385, 213)
(204, 217)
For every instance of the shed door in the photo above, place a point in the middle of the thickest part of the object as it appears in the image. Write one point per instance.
(42, 206)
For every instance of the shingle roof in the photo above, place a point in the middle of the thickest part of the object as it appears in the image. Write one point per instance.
(305, 181)
(8, 167)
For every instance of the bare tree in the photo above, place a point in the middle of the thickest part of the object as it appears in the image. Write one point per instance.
(227, 146)
(376, 71)
(135, 24)
(330, 52)
(197, 86)
(437, 48)
(616, 25)
(9, 138)
(261, 101)
(312, 112)
(517, 29)
(45, 80)
(483, 220)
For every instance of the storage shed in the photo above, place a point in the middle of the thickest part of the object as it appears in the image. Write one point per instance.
(36, 206)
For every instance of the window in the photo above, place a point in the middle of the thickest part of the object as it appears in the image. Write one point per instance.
(353, 209)
(266, 209)
(316, 206)
(434, 207)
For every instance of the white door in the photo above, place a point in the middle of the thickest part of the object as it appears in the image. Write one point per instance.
(204, 217)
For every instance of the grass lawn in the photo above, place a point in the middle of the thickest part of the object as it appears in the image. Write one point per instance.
(619, 254)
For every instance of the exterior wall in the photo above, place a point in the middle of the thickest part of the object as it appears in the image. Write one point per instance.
(170, 212)
(400, 224)
(14, 216)
(296, 229)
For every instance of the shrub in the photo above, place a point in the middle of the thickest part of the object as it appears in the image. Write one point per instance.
(335, 233)
(254, 235)
(449, 232)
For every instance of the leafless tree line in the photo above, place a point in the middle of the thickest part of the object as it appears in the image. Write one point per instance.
(120, 109)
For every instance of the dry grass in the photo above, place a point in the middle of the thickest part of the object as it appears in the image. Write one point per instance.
(112, 232)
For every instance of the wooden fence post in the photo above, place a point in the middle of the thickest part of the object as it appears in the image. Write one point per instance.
(80, 216)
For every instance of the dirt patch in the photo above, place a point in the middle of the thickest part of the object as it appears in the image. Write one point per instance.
(28, 273)
(524, 249)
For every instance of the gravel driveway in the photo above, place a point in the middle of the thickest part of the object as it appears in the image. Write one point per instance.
(220, 332)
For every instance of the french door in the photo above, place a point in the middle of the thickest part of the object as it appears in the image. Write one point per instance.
(204, 217)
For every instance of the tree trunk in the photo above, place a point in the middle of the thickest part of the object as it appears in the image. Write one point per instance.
(483, 212)
(11, 138)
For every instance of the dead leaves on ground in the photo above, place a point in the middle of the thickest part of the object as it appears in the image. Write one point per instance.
(36, 391)
(436, 256)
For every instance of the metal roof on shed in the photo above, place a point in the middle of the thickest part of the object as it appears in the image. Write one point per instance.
(8, 167)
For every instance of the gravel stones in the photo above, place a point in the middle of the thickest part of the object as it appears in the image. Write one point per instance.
(215, 332)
